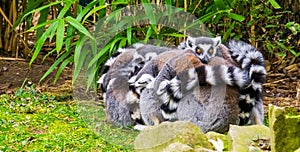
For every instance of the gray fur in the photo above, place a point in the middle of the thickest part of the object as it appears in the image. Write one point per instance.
(122, 105)
(212, 108)
(149, 101)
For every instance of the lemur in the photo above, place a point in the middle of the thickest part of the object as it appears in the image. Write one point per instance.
(121, 105)
(204, 54)
(247, 58)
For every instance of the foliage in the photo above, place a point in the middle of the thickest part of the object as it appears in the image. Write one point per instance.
(32, 121)
(262, 23)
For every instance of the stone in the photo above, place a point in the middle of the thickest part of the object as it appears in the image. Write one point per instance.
(178, 147)
(285, 129)
(248, 138)
(159, 137)
(217, 137)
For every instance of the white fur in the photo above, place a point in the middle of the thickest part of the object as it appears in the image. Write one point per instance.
(162, 87)
(210, 75)
(239, 77)
(131, 98)
(256, 86)
(244, 115)
(101, 80)
(150, 55)
(144, 80)
(136, 55)
(121, 50)
(248, 99)
(171, 116)
(176, 87)
(132, 79)
(225, 75)
(173, 105)
(193, 79)
(138, 45)
(140, 127)
(110, 61)
(257, 69)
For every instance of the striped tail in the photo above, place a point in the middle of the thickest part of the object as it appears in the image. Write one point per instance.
(250, 59)
(172, 91)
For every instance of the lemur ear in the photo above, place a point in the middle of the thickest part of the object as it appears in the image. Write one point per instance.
(217, 41)
(190, 41)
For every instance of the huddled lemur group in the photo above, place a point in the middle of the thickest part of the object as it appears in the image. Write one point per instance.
(201, 81)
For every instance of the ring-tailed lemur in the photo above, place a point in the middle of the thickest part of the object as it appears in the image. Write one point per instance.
(121, 104)
(188, 107)
(184, 72)
(250, 60)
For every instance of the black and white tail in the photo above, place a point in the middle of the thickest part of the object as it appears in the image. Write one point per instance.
(172, 91)
(250, 59)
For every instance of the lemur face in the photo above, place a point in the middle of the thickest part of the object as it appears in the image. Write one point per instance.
(204, 47)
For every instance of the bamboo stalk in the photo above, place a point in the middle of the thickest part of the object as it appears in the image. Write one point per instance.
(12, 59)
(6, 36)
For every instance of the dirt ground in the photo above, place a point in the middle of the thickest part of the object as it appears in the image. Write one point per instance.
(14, 74)
(280, 88)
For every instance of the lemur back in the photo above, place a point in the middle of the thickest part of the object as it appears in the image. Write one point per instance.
(121, 106)
(211, 107)
(149, 101)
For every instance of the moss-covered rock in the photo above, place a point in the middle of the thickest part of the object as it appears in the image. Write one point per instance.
(285, 130)
(178, 147)
(247, 138)
(159, 137)
(215, 136)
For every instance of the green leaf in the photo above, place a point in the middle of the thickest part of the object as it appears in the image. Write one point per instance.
(100, 54)
(220, 4)
(237, 17)
(40, 42)
(86, 10)
(79, 27)
(38, 10)
(296, 54)
(274, 4)
(79, 56)
(59, 60)
(270, 26)
(207, 17)
(43, 18)
(175, 35)
(94, 10)
(60, 34)
(148, 34)
(41, 25)
(69, 37)
(129, 34)
(149, 12)
(31, 5)
(62, 67)
(65, 9)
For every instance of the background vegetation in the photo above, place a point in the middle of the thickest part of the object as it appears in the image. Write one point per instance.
(57, 28)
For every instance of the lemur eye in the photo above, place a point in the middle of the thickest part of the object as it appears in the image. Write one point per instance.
(198, 50)
(211, 51)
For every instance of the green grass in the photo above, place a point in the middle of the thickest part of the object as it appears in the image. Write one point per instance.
(31, 121)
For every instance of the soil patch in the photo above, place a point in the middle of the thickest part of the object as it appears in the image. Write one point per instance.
(14, 74)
